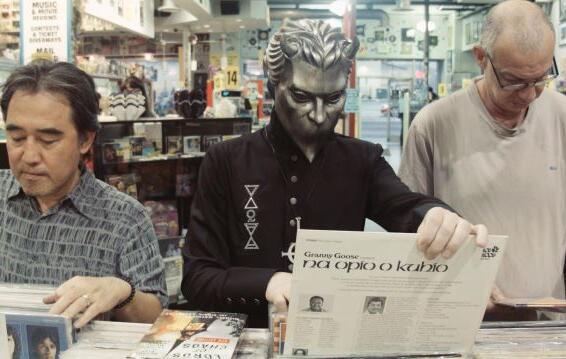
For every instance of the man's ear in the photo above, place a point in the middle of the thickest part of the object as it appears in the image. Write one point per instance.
(481, 57)
(86, 142)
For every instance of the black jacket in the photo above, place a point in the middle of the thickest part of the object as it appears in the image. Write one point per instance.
(250, 191)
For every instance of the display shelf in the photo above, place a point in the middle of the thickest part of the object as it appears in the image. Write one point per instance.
(184, 120)
(160, 158)
(106, 76)
(168, 175)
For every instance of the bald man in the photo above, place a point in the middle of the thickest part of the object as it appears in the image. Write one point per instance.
(495, 151)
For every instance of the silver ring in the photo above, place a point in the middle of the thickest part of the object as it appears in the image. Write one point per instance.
(87, 299)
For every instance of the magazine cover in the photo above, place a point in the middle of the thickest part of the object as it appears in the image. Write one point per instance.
(183, 186)
(164, 217)
(31, 336)
(126, 183)
(136, 145)
(191, 144)
(209, 141)
(178, 334)
(112, 152)
(174, 145)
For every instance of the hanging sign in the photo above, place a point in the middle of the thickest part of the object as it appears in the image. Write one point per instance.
(352, 104)
(132, 15)
(45, 30)
(232, 77)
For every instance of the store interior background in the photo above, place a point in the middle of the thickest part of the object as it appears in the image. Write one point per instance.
(176, 44)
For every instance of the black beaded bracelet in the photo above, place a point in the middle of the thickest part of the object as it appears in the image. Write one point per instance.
(132, 293)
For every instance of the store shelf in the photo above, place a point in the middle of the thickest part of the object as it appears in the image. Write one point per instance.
(108, 77)
(181, 119)
(161, 158)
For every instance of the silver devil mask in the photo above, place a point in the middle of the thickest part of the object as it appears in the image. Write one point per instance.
(307, 64)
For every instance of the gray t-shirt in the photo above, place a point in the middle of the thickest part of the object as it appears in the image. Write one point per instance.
(513, 181)
(95, 231)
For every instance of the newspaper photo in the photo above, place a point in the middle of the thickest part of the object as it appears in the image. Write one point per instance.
(363, 293)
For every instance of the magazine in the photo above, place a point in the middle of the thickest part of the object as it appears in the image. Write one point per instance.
(137, 145)
(191, 144)
(164, 217)
(173, 276)
(34, 335)
(349, 288)
(126, 183)
(183, 187)
(174, 145)
(548, 303)
(209, 141)
(112, 152)
(180, 334)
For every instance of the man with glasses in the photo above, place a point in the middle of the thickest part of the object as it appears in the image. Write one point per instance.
(495, 152)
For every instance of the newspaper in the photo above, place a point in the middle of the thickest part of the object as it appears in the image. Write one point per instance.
(363, 293)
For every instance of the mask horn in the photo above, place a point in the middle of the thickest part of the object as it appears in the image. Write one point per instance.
(351, 48)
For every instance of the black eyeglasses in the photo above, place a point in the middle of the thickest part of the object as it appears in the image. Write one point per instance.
(551, 74)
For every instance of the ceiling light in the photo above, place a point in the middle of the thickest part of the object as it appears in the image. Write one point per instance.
(242, 27)
(338, 7)
(403, 5)
(206, 26)
(238, 20)
(168, 6)
(421, 25)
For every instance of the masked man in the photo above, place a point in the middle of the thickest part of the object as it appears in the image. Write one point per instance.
(253, 189)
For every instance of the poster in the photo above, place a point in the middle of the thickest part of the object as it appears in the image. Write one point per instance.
(45, 27)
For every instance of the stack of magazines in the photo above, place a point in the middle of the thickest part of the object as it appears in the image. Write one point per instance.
(175, 334)
(24, 297)
(27, 330)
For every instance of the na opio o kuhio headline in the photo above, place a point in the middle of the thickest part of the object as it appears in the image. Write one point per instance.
(351, 262)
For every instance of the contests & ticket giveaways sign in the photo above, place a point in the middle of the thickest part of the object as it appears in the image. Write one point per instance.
(45, 30)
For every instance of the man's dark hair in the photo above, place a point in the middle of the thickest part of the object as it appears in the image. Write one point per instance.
(316, 297)
(376, 299)
(59, 78)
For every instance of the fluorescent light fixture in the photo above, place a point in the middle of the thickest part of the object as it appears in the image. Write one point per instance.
(403, 5)
(147, 56)
(168, 6)
(338, 7)
(422, 24)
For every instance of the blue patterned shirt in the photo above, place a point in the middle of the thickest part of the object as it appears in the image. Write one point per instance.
(94, 231)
